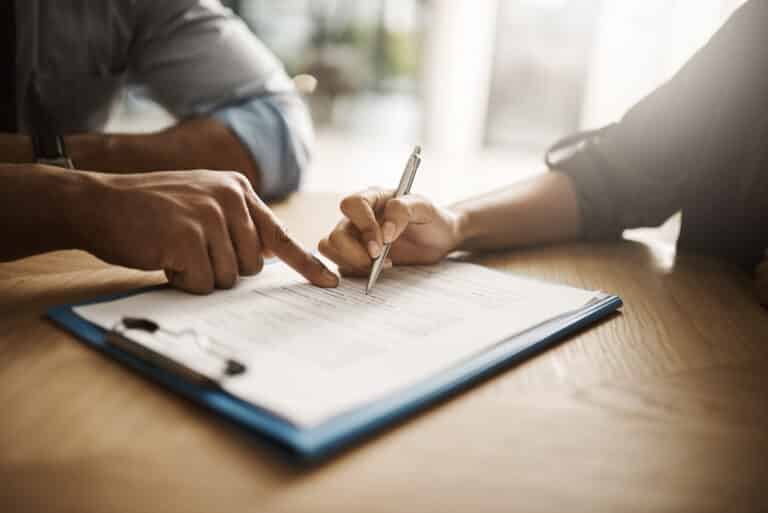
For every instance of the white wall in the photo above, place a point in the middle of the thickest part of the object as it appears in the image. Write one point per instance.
(458, 63)
(639, 45)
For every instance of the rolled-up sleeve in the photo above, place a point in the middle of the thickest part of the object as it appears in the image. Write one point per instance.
(673, 149)
(595, 191)
(277, 131)
(196, 58)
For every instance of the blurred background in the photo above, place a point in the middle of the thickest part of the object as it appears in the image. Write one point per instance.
(484, 85)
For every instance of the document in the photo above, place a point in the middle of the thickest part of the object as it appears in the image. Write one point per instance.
(312, 353)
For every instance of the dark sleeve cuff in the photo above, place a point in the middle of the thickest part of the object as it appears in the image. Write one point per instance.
(600, 219)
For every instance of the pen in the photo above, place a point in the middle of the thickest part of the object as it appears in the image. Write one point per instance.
(406, 181)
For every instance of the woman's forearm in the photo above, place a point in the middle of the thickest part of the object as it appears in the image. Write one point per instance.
(541, 210)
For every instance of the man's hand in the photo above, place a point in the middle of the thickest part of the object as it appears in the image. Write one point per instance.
(204, 228)
(421, 233)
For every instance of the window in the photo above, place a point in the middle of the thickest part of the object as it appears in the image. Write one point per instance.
(540, 70)
(364, 54)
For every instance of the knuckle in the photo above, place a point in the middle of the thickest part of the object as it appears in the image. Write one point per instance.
(396, 208)
(349, 203)
(258, 208)
(244, 229)
(280, 234)
(422, 207)
(211, 212)
(232, 187)
(232, 178)
(375, 196)
(343, 226)
(273, 234)
(336, 237)
(239, 178)
(200, 175)
(243, 183)
(381, 195)
(189, 235)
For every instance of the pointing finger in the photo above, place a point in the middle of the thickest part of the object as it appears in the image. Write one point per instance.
(276, 239)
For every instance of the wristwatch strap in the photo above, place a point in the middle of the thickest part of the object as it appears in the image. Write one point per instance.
(47, 143)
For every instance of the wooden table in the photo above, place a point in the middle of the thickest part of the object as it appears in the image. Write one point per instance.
(661, 408)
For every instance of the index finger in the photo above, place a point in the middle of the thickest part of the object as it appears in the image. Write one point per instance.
(360, 209)
(275, 238)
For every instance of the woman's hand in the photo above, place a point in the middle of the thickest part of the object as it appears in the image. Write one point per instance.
(421, 233)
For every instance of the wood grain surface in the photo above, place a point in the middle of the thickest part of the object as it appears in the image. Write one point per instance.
(663, 407)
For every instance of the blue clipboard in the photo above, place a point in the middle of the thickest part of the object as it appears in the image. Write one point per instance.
(321, 441)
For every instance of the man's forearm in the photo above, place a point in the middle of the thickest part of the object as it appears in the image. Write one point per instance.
(39, 208)
(16, 149)
(203, 143)
(538, 211)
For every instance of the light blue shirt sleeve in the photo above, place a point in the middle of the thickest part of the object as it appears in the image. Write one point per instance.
(196, 58)
(277, 131)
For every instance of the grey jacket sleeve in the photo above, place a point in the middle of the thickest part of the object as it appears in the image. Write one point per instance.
(671, 149)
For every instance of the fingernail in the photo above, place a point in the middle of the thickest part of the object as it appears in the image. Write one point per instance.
(333, 280)
(330, 278)
(374, 249)
(387, 263)
(388, 231)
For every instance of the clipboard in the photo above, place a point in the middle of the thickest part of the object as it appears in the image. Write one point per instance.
(322, 441)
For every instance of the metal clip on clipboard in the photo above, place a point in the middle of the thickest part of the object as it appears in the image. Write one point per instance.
(119, 338)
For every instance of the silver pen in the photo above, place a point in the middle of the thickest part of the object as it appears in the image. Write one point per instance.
(406, 181)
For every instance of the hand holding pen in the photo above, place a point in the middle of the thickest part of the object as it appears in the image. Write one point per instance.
(419, 232)
(403, 189)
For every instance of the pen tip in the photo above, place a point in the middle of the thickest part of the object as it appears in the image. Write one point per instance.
(417, 149)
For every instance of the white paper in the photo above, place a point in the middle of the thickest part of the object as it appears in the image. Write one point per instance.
(313, 353)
